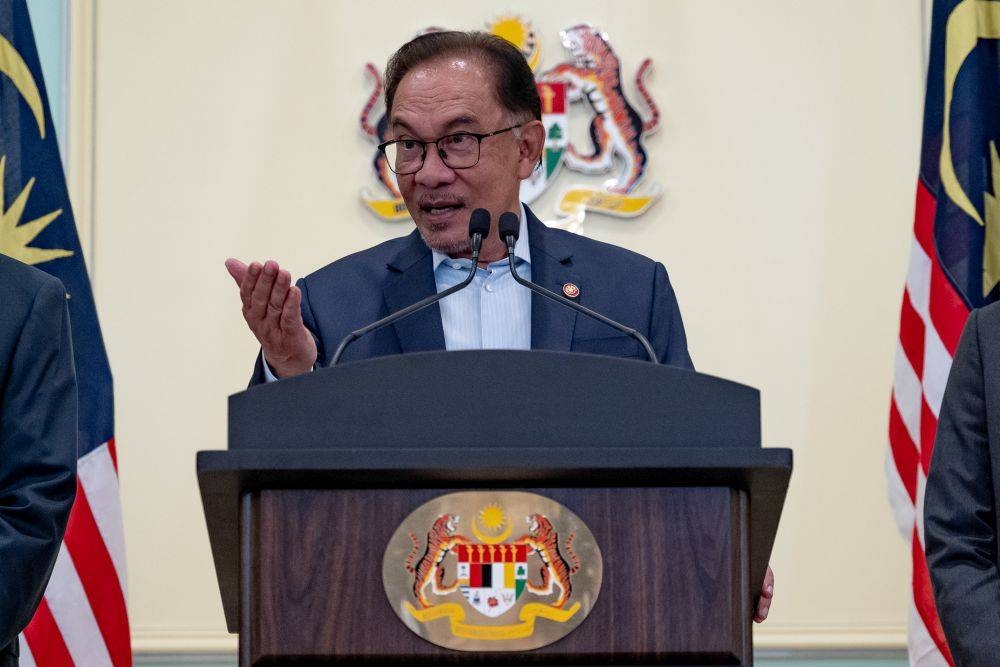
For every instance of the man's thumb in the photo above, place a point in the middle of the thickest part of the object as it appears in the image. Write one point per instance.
(237, 269)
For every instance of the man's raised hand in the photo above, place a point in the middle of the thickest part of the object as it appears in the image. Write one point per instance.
(272, 310)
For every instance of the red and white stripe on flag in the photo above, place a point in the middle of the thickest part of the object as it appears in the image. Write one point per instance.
(82, 619)
(931, 322)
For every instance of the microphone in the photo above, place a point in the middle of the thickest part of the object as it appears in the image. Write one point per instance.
(479, 229)
(510, 229)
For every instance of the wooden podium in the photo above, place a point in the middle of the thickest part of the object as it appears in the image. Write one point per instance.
(664, 466)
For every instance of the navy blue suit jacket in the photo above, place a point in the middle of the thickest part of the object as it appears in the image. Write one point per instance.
(38, 431)
(962, 497)
(627, 287)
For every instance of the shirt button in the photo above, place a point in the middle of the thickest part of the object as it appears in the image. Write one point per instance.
(456, 265)
(489, 288)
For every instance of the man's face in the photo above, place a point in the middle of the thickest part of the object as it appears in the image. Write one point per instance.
(443, 96)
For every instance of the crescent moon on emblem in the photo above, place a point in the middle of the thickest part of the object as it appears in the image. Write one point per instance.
(13, 65)
(485, 539)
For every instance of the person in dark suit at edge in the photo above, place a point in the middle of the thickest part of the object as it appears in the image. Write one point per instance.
(465, 121)
(962, 497)
(38, 437)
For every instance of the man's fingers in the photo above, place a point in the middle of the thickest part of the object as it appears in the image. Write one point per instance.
(763, 608)
(767, 590)
(766, 596)
(261, 294)
(291, 312)
(248, 284)
(276, 300)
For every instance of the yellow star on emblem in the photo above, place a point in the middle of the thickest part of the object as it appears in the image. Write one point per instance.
(492, 517)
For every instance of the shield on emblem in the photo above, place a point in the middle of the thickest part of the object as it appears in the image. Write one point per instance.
(492, 576)
(556, 121)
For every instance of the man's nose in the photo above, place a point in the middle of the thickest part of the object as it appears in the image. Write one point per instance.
(434, 171)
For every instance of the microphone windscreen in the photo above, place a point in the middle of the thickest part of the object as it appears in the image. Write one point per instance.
(509, 225)
(479, 223)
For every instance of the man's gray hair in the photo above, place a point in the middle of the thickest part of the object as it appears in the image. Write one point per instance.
(515, 84)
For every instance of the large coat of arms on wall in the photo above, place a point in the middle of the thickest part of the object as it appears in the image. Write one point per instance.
(590, 77)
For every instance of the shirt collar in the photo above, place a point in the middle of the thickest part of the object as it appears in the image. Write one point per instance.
(522, 249)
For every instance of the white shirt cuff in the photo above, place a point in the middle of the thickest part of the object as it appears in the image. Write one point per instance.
(269, 376)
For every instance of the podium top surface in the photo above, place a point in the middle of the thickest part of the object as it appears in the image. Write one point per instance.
(496, 398)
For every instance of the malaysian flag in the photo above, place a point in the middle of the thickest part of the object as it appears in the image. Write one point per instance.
(954, 267)
(82, 618)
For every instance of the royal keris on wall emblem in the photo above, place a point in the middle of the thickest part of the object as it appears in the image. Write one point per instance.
(521, 571)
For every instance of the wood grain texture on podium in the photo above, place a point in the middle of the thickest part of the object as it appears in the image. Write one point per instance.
(673, 589)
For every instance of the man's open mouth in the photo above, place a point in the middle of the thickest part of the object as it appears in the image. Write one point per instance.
(440, 207)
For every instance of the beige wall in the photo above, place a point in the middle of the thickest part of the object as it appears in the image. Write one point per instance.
(788, 158)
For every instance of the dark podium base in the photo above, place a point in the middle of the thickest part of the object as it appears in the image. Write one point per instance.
(674, 589)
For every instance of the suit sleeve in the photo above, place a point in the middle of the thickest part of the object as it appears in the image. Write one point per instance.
(666, 328)
(38, 451)
(960, 525)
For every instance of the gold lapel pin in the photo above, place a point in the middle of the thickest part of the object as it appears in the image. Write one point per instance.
(571, 290)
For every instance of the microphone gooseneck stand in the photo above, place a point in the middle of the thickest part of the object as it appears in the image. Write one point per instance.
(479, 228)
(509, 228)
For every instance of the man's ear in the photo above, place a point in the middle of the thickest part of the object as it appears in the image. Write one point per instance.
(530, 144)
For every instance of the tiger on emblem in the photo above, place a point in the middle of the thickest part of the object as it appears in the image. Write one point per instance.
(378, 132)
(616, 130)
(441, 539)
(556, 570)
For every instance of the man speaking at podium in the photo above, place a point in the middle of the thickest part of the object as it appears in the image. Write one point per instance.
(443, 91)
(465, 121)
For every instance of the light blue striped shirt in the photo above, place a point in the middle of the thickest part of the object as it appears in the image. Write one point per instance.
(494, 312)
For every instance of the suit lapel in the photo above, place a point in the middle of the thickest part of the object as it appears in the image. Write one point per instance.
(552, 324)
(411, 278)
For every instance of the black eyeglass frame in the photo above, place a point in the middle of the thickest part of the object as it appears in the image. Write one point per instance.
(423, 157)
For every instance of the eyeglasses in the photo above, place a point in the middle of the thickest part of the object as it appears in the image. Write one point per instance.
(458, 151)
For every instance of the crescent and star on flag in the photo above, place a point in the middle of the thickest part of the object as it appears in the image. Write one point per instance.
(968, 23)
(15, 237)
